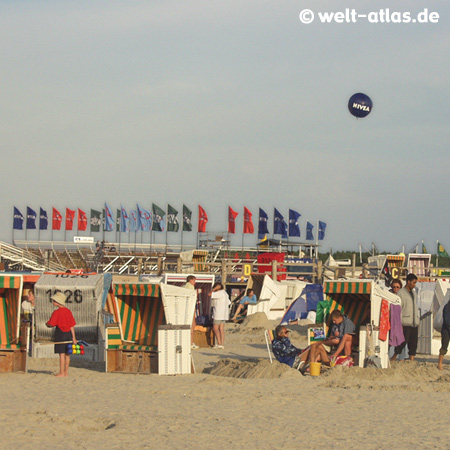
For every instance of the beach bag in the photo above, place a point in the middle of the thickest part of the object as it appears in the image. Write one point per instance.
(345, 361)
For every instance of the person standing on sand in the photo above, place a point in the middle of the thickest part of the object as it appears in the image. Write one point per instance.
(445, 334)
(62, 319)
(190, 284)
(410, 318)
(220, 303)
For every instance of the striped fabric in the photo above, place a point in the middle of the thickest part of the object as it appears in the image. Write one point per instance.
(199, 258)
(345, 287)
(395, 261)
(140, 315)
(351, 298)
(9, 312)
(111, 306)
(9, 282)
(145, 290)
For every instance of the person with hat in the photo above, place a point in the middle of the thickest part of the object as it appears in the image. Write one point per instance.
(62, 318)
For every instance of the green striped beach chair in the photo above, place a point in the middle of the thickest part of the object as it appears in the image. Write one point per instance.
(13, 354)
(140, 313)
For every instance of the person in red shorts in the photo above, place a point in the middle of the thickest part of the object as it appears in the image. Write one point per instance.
(62, 319)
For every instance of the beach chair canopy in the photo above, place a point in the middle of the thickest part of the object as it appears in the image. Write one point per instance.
(359, 300)
(140, 313)
(267, 292)
(203, 287)
(84, 298)
(10, 301)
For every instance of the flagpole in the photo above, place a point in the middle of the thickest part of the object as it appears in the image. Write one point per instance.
(317, 239)
(182, 226)
(167, 215)
(437, 253)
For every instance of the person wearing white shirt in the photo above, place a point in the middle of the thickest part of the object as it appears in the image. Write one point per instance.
(220, 303)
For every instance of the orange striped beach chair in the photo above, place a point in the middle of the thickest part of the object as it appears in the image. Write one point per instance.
(13, 353)
(132, 343)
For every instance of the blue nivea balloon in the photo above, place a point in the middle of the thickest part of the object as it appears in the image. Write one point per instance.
(360, 105)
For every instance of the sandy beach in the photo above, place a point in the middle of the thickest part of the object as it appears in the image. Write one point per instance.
(236, 399)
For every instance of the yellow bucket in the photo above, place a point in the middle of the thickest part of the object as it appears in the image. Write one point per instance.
(314, 369)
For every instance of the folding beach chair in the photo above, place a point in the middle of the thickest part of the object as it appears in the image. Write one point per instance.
(269, 335)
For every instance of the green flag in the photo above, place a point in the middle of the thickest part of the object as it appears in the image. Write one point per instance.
(96, 221)
(172, 219)
(424, 249)
(441, 251)
(158, 218)
(187, 216)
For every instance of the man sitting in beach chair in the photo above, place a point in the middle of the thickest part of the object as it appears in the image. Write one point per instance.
(342, 335)
(241, 310)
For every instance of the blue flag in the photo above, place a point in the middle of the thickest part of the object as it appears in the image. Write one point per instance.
(31, 219)
(145, 218)
(109, 219)
(17, 220)
(279, 225)
(294, 229)
(124, 220)
(309, 233)
(134, 220)
(262, 224)
(43, 220)
(321, 231)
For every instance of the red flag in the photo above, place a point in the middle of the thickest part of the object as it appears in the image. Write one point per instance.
(57, 219)
(82, 220)
(202, 219)
(231, 220)
(70, 215)
(248, 225)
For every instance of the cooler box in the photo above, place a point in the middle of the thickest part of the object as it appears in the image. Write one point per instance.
(174, 348)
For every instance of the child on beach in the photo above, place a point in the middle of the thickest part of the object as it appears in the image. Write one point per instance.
(64, 322)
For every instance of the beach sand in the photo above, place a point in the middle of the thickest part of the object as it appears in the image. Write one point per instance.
(236, 399)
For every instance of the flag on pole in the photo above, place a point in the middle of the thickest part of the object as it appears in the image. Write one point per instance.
(172, 219)
(145, 218)
(321, 230)
(187, 219)
(294, 229)
(70, 216)
(109, 220)
(56, 220)
(424, 249)
(31, 219)
(118, 219)
(159, 223)
(262, 224)
(124, 220)
(17, 220)
(82, 220)
(309, 231)
(279, 225)
(96, 221)
(232, 220)
(43, 219)
(202, 220)
(248, 224)
(134, 220)
(442, 253)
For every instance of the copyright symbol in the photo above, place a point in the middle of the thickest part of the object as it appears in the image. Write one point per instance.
(306, 16)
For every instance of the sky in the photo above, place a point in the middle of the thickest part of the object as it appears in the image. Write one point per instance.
(230, 103)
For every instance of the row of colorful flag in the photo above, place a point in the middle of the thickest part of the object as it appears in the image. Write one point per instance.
(159, 220)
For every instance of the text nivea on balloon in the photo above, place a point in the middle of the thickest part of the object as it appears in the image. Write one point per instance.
(360, 105)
